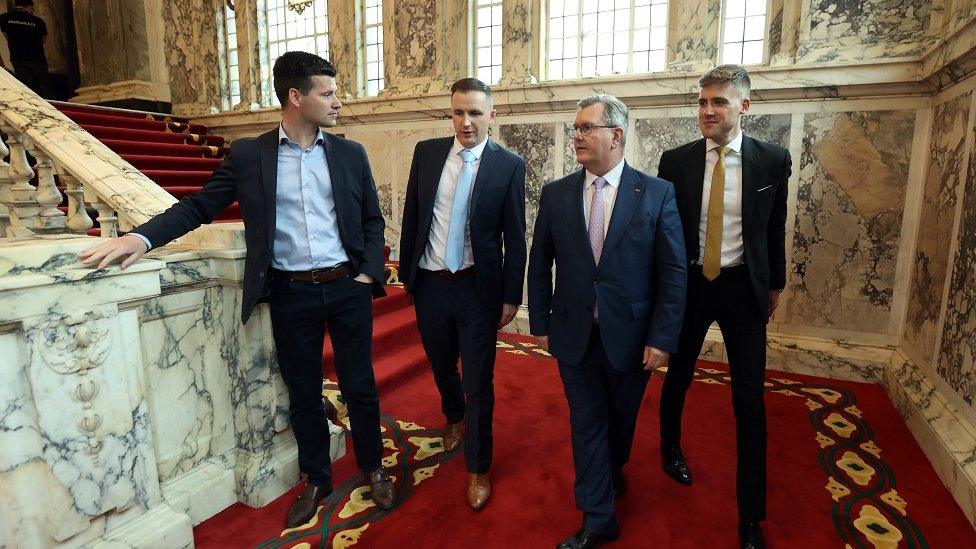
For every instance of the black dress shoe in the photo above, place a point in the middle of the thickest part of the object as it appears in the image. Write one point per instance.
(750, 535)
(586, 539)
(674, 464)
(619, 485)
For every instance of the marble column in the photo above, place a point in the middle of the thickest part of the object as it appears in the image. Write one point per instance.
(192, 58)
(246, 15)
(784, 29)
(120, 54)
(521, 42)
(693, 35)
(343, 37)
(456, 43)
(411, 52)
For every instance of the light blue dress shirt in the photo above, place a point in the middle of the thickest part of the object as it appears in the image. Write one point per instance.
(306, 226)
(306, 233)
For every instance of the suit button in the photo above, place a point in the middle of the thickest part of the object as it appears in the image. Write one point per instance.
(261, 275)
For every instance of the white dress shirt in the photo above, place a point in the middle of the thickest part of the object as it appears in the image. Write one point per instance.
(732, 246)
(433, 257)
(609, 194)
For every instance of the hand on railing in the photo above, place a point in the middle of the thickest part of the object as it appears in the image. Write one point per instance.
(129, 247)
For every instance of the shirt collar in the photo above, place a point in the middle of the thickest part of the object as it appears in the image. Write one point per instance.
(477, 150)
(612, 177)
(735, 144)
(283, 137)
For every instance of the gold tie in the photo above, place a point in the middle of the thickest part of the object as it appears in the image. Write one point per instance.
(712, 262)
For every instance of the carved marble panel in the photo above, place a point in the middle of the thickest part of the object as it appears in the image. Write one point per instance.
(942, 185)
(853, 174)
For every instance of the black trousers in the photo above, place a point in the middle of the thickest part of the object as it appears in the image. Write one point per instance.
(35, 76)
(603, 407)
(455, 323)
(300, 312)
(730, 301)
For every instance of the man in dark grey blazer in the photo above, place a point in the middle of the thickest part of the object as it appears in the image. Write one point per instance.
(462, 258)
(731, 191)
(314, 235)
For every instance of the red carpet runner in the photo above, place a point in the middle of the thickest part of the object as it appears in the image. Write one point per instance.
(176, 155)
(844, 470)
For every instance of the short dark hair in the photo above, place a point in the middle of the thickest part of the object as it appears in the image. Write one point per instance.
(471, 84)
(24, 3)
(295, 69)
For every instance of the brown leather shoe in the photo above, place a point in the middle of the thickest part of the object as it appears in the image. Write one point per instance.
(453, 436)
(306, 505)
(479, 490)
(332, 413)
(381, 489)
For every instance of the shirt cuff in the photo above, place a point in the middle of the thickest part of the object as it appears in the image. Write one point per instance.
(144, 239)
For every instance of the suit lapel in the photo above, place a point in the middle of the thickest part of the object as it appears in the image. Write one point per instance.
(268, 146)
(340, 187)
(752, 178)
(485, 166)
(695, 184)
(629, 192)
(575, 217)
(429, 180)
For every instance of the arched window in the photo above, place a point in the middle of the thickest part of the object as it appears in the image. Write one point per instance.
(743, 31)
(602, 37)
(289, 30)
(230, 92)
(488, 40)
(371, 27)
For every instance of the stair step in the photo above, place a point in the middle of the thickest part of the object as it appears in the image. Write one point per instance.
(65, 107)
(161, 150)
(134, 124)
(108, 132)
(145, 162)
(399, 368)
(178, 178)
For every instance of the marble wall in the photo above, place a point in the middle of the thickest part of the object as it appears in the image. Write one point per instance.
(947, 158)
(851, 197)
(535, 143)
(109, 57)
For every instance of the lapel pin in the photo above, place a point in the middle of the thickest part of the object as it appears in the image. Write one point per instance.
(636, 189)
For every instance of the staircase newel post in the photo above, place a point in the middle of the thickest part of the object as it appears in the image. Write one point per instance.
(20, 197)
(78, 219)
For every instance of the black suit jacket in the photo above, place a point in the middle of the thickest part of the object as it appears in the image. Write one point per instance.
(497, 218)
(766, 172)
(249, 174)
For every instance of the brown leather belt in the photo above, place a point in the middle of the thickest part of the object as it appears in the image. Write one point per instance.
(318, 276)
(448, 275)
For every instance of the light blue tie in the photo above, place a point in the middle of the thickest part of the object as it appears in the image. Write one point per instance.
(454, 256)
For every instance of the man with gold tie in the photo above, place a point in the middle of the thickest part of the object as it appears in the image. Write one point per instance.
(731, 192)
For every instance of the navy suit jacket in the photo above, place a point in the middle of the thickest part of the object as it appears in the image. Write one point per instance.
(497, 218)
(639, 286)
(249, 174)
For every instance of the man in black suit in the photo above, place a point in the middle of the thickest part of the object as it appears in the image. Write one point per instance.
(731, 191)
(462, 258)
(615, 313)
(314, 235)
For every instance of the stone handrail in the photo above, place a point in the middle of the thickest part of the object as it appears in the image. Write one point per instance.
(91, 171)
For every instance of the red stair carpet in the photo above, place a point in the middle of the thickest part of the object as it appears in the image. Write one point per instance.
(175, 154)
(843, 471)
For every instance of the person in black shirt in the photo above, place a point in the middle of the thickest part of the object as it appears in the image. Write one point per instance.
(26, 34)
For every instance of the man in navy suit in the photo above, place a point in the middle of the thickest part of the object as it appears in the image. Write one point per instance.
(462, 258)
(615, 313)
(314, 234)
